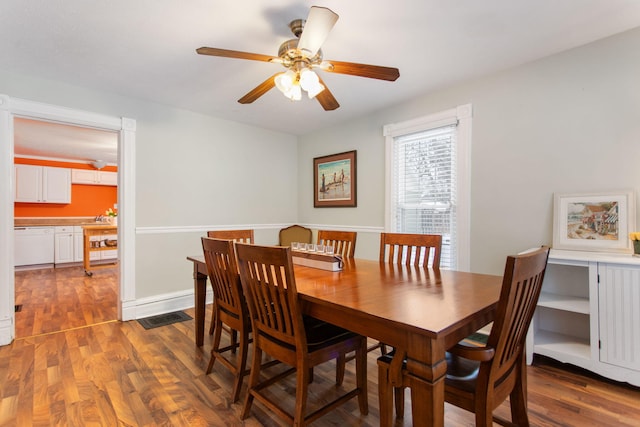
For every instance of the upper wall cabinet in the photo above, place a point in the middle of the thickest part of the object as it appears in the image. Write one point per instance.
(42, 184)
(93, 177)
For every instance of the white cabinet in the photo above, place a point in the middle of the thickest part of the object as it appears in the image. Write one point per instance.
(94, 177)
(42, 184)
(64, 245)
(588, 314)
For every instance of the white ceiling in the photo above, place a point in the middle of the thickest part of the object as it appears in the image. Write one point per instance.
(146, 48)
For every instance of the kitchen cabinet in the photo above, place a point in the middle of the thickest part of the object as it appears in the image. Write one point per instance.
(588, 314)
(64, 245)
(94, 177)
(42, 184)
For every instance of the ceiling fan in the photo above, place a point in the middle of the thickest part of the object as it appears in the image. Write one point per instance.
(300, 56)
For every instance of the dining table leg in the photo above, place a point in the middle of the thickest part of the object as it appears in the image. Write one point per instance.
(200, 286)
(427, 391)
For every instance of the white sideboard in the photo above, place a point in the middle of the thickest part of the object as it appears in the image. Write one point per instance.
(588, 314)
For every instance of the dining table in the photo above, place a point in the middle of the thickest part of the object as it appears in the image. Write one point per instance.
(419, 311)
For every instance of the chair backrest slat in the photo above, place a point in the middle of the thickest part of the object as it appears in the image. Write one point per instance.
(223, 274)
(521, 287)
(343, 242)
(407, 249)
(269, 285)
(239, 236)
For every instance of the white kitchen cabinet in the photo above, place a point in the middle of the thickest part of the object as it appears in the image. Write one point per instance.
(588, 314)
(42, 184)
(94, 177)
(64, 245)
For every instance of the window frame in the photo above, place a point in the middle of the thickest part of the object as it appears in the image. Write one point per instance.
(463, 116)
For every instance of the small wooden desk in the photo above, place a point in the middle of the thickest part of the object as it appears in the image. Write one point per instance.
(420, 311)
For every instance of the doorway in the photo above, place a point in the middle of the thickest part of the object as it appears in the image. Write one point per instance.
(11, 108)
(55, 297)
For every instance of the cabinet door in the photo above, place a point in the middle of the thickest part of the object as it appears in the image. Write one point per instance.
(56, 186)
(108, 178)
(83, 176)
(78, 248)
(63, 251)
(28, 181)
(619, 315)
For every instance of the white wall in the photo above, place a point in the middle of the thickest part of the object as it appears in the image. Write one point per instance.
(193, 172)
(567, 123)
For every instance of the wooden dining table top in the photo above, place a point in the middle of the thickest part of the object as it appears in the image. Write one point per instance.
(430, 302)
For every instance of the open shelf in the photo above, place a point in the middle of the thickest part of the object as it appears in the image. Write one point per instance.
(561, 347)
(564, 302)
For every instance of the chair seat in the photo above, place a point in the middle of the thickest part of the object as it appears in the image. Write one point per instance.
(461, 373)
(322, 334)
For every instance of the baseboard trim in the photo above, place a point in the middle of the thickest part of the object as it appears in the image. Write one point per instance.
(160, 304)
(6, 331)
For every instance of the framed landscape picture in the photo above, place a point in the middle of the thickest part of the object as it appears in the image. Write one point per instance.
(594, 221)
(334, 180)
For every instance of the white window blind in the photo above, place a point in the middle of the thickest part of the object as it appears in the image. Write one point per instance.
(424, 179)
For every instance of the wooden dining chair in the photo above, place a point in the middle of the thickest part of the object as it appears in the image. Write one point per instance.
(421, 250)
(240, 236)
(283, 332)
(343, 242)
(417, 249)
(480, 378)
(294, 233)
(229, 308)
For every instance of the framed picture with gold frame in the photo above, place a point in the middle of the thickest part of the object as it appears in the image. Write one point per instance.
(334, 180)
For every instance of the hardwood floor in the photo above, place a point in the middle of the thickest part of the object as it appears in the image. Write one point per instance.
(56, 299)
(119, 374)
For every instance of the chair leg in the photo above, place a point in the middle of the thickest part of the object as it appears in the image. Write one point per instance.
(385, 395)
(253, 381)
(234, 340)
(302, 388)
(398, 397)
(217, 327)
(518, 396)
(341, 363)
(242, 362)
(361, 376)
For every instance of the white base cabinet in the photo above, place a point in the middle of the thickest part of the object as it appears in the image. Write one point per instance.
(588, 314)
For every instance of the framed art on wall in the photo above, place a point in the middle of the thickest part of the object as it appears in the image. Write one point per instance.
(594, 221)
(334, 180)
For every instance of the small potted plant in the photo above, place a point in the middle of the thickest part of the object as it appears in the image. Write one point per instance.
(635, 239)
(112, 215)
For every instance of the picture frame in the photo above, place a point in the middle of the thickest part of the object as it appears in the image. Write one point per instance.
(334, 180)
(599, 222)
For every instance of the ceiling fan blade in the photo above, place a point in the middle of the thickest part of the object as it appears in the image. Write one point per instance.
(316, 30)
(362, 70)
(326, 99)
(213, 51)
(259, 90)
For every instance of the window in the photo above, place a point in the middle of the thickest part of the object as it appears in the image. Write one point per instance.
(427, 180)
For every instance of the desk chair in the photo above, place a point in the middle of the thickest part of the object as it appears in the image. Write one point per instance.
(479, 379)
(294, 233)
(401, 248)
(343, 242)
(280, 330)
(241, 236)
